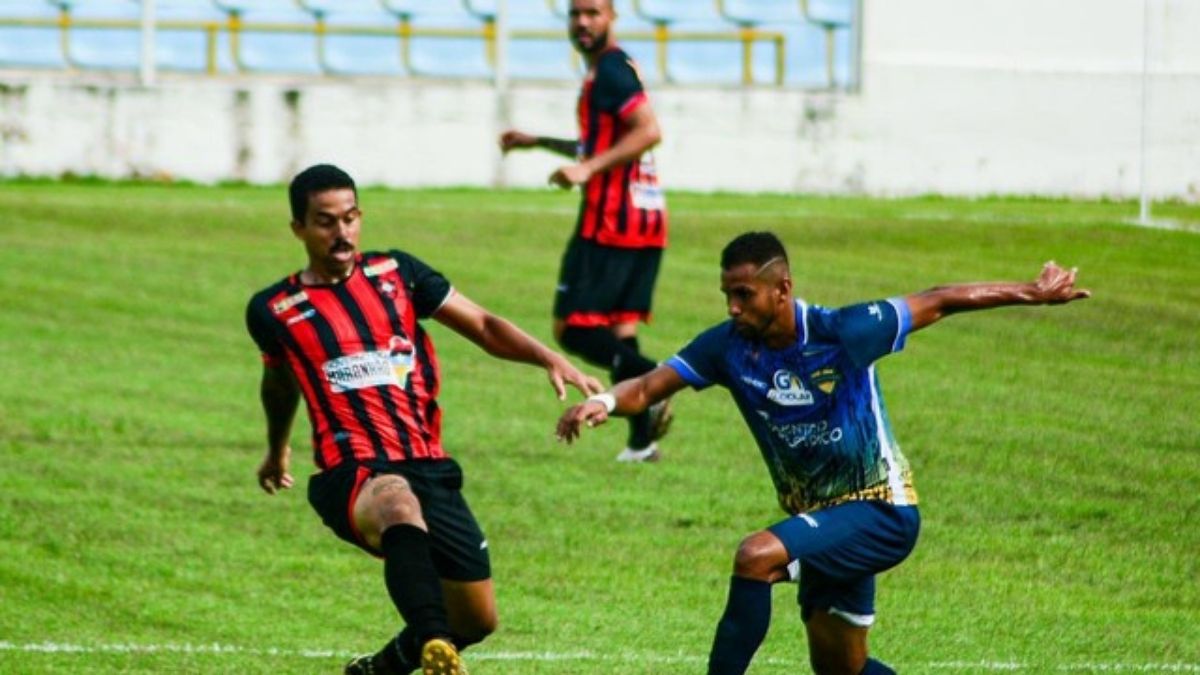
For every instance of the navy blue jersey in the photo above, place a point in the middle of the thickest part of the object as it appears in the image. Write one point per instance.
(814, 407)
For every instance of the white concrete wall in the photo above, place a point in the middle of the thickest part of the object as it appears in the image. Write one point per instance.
(979, 97)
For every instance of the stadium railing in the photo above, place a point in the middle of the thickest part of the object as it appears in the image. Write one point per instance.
(684, 41)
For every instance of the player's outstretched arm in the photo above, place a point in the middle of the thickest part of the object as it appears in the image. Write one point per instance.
(1054, 286)
(628, 397)
(500, 338)
(519, 140)
(280, 396)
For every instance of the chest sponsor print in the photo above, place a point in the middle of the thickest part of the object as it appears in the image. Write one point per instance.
(788, 390)
(390, 367)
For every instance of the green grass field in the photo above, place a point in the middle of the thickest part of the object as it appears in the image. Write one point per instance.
(1057, 450)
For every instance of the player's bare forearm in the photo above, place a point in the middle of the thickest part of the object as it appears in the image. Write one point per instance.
(567, 147)
(642, 135)
(519, 140)
(639, 140)
(280, 397)
(1055, 285)
(500, 338)
(627, 398)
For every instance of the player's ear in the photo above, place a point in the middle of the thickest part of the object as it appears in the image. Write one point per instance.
(297, 226)
(784, 287)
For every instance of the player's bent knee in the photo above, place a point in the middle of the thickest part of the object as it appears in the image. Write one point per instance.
(388, 500)
(761, 556)
(477, 630)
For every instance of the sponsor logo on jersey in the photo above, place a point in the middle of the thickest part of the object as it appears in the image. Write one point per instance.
(647, 196)
(360, 371)
(826, 379)
(386, 367)
(807, 434)
(400, 353)
(302, 316)
(753, 382)
(789, 390)
(380, 267)
(289, 302)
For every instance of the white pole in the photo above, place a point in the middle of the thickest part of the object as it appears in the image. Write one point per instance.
(501, 84)
(1144, 207)
(149, 61)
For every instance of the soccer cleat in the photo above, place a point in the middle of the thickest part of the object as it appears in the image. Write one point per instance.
(661, 417)
(647, 454)
(439, 657)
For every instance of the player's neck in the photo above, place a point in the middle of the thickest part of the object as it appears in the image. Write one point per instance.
(593, 57)
(782, 333)
(314, 275)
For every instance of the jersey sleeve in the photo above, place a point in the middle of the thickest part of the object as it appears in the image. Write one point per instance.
(871, 330)
(618, 87)
(427, 287)
(261, 326)
(701, 363)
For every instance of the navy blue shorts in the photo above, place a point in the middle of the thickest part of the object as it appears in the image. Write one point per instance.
(457, 544)
(839, 550)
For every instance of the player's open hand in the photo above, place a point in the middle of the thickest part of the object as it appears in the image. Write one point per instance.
(273, 473)
(589, 413)
(516, 140)
(1056, 285)
(561, 373)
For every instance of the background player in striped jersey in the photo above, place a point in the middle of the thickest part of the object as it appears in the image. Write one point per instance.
(344, 332)
(608, 271)
(803, 378)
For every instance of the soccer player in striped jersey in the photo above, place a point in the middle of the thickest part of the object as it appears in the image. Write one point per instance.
(345, 335)
(607, 275)
(804, 381)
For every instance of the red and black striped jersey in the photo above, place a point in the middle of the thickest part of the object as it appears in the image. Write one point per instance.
(366, 368)
(624, 206)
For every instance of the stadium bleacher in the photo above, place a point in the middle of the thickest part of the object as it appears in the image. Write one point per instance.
(686, 42)
(359, 53)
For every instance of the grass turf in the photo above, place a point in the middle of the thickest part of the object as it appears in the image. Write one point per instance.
(1055, 449)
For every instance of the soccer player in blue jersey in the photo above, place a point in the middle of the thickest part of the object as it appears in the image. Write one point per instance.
(803, 378)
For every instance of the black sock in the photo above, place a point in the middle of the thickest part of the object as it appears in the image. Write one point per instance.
(599, 347)
(630, 362)
(640, 435)
(400, 656)
(742, 628)
(413, 582)
(874, 667)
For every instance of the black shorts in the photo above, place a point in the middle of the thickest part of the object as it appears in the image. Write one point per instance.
(605, 285)
(458, 546)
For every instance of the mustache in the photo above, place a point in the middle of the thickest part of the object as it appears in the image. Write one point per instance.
(341, 245)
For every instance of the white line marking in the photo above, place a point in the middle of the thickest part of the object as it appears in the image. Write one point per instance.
(915, 213)
(217, 648)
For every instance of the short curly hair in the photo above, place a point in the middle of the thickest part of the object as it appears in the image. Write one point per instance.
(316, 178)
(759, 248)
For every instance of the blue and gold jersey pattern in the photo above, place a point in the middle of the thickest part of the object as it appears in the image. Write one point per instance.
(815, 407)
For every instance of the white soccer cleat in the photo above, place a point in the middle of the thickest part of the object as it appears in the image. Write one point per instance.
(647, 454)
